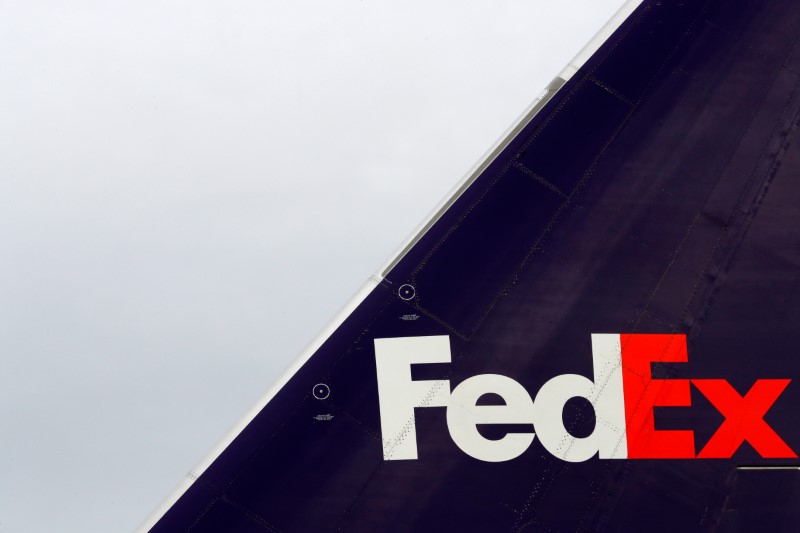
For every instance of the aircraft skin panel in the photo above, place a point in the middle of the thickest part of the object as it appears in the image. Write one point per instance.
(652, 201)
(512, 133)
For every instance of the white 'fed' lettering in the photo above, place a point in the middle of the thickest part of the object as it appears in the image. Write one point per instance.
(399, 395)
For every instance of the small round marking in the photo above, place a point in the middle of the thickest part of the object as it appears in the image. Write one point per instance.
(406, 292)
(321, 391)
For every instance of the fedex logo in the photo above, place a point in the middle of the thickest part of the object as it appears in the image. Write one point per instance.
(623, 394)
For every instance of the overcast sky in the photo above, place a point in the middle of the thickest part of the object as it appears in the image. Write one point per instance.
(190, 190)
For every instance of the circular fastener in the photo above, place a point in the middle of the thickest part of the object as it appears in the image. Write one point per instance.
(321, 391)
(406, 292)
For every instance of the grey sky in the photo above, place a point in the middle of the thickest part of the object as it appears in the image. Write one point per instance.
(189, 190)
